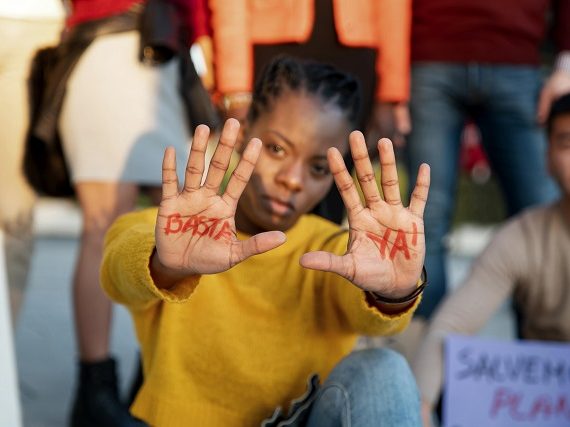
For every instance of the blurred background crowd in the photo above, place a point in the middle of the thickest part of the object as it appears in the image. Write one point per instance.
(466, 86)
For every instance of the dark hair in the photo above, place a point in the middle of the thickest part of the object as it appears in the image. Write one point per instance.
(315, 78)
(559, 107)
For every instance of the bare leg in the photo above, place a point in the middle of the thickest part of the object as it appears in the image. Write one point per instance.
(101, 204)
(97, 401)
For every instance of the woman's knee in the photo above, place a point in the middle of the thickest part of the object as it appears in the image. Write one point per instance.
(375, 360)
(101, 205)
(373, 384)
(97, 218)
(379, 366)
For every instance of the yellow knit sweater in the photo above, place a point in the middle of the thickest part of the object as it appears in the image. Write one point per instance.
(226, 349)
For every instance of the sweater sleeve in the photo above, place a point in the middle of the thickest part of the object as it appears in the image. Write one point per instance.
(125, 272)
(232, 45)
(489, 284)
(357, 315)
(393, 63)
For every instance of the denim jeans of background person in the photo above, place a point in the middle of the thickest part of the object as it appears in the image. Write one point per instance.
(25, 26)
(526, 261)
(481, 61)
(502, 100)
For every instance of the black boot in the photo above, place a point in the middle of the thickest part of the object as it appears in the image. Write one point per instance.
(97, 402)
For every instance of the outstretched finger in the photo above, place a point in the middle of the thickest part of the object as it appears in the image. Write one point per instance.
(344, 182)
(419, 196)
(221, 159)
(256, 245)
(169, 176)
(389, 172)
(326, 261)
(243, 171)
(195, 166)
(364, 170)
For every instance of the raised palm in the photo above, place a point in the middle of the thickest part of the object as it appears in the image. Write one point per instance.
(386, 246)
(195, 229)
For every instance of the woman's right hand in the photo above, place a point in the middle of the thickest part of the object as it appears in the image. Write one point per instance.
(195, 229)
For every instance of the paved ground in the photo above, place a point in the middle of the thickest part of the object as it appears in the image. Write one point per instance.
(44, 337)
(45, 349)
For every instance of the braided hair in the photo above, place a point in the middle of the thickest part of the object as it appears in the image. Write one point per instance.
(324, 81)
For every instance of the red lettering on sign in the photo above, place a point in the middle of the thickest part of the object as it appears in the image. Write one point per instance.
(541, 405)
(562, 407)
(504, 399)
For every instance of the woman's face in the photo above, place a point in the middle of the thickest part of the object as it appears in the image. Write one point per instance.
(292, 174)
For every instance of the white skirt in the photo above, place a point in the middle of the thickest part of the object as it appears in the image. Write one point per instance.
(119, 115)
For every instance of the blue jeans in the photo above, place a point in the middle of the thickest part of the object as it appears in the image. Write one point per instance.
(373, 387)
(502, 101)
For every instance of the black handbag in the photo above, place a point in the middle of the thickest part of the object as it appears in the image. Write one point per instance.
(44, 161)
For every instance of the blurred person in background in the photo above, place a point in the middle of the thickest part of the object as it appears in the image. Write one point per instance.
(528, 260)
(367, 38)
(480, 61)
(118, 116)
(25, 26)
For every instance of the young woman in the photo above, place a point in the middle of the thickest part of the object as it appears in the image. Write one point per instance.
(227, 337)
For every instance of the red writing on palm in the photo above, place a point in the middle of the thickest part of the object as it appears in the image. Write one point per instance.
(400, 244)
(386, 247)
(199, 225)
(195, 230)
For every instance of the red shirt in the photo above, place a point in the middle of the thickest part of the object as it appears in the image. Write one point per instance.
(195, 12)
(487, 31)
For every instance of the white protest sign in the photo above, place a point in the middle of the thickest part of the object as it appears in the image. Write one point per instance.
(494, 383)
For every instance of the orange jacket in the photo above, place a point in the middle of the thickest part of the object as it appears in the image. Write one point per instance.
(383, 24)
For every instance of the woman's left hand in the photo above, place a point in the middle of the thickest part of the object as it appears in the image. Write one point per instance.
(386, 245)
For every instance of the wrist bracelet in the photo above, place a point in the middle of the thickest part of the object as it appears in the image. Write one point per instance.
(422, 282)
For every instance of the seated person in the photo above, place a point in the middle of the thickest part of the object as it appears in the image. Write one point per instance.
(238, 299)
(528, 259)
